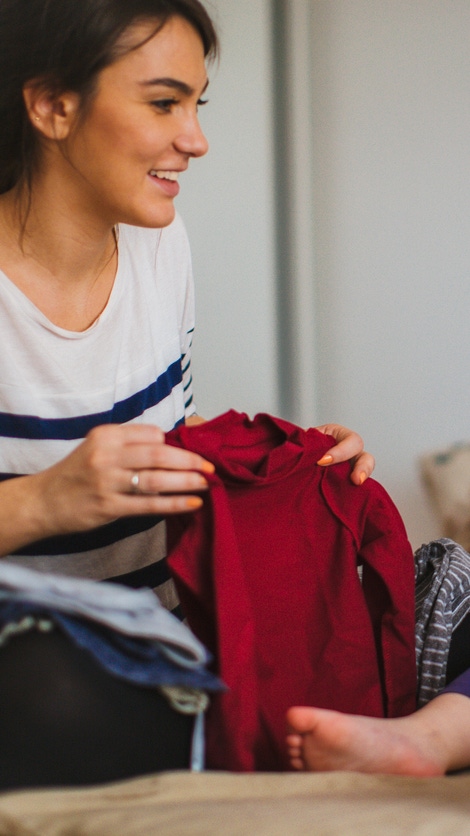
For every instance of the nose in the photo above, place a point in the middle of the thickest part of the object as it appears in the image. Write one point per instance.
(192, 140)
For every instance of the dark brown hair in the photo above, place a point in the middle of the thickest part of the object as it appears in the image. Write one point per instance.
(64, 44)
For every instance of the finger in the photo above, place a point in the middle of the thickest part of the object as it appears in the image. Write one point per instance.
(137, 504)
(127, 434)
(363, 468)
(140, 446)
(363, 465)
(349, 446)
(162, 482)
(139, 456)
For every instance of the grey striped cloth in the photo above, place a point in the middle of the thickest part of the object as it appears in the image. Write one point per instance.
(442, 576)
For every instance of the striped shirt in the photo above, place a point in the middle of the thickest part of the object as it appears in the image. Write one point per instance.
(132, 365)
(442, 603)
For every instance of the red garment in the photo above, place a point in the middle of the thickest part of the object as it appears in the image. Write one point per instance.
(267, 574)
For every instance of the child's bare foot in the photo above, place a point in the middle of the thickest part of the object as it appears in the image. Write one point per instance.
(322, 740)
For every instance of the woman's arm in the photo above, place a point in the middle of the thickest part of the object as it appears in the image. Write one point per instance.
(95, 484)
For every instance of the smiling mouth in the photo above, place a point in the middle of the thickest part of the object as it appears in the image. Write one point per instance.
(164, 175)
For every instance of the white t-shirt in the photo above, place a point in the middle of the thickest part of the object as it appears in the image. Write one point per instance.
(131, 365)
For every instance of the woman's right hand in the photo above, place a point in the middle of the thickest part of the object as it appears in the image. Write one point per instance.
(116, 471)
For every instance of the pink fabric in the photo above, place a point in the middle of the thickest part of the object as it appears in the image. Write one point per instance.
(267, 574)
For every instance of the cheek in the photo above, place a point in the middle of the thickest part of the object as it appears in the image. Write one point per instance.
(109, 135)
(117, 148)
(135, 144)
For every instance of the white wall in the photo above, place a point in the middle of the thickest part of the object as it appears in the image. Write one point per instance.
(391, 117)
(227, 204)
(390, 227)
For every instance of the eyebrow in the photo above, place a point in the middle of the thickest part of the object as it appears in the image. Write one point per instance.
(174, 83)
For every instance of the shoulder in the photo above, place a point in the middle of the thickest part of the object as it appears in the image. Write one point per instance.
(159, 260)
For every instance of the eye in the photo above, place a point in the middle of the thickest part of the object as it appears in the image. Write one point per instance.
(202, 102)
(164, 105)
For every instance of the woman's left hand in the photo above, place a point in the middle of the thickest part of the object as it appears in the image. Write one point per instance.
(349, 447)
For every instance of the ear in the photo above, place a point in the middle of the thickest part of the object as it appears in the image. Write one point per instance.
(50, 113)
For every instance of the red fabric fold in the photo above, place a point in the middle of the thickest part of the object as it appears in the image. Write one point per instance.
(267, 575)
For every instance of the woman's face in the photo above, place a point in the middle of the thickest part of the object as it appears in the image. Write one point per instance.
(141, 128)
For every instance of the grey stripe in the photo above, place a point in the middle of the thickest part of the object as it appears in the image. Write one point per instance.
(442, 602)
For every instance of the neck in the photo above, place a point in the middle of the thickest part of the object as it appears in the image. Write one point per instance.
(55, 233)
(61, 258)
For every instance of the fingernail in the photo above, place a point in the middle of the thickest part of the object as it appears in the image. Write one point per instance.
(362, 478)
(193, 502)
(326, 459)
(208, 467)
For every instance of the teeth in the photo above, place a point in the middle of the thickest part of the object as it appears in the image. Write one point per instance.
(164, 175)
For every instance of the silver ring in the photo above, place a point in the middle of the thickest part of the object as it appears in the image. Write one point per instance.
(135, 483)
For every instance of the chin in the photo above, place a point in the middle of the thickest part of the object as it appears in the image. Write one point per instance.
(152, 220)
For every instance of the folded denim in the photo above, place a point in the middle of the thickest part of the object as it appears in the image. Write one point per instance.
(138, 661)
(127, 631)
(133, 612)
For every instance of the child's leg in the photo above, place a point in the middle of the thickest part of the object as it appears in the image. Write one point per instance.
(432, 741)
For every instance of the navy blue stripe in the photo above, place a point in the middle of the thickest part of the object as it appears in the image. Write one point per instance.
(178, 612)
(151, 576)
(154, 575)
(66, 429)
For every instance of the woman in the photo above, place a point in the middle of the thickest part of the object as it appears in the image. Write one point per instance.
(98, 116)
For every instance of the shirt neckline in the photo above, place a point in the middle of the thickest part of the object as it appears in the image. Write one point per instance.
(33, 312)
